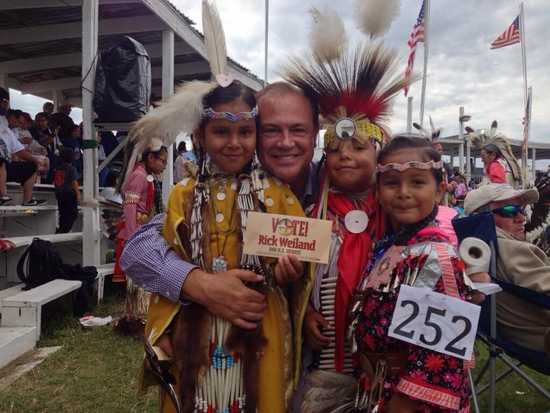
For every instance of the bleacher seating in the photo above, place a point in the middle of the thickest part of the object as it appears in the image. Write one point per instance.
(20, 311)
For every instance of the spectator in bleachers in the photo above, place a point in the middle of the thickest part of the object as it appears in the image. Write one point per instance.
(185, 164)
(518, 262)
(66, 190)
(74, 141)
(48, 108)
(62, 121)
(42, 134)
(22, 171)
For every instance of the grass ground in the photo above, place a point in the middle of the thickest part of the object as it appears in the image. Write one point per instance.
(97, 371)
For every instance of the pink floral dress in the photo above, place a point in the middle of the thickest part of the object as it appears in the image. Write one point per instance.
(438, 381)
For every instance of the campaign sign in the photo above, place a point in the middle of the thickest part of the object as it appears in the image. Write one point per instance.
(435, 321)
(273, 235)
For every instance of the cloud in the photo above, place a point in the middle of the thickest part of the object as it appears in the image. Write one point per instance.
(462, 70)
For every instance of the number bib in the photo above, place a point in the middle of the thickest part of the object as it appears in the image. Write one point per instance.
(435, 321)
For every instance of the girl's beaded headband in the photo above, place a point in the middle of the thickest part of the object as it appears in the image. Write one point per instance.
(210, 113)
(401, 167)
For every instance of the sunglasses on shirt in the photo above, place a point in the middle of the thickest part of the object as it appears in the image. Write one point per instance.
(509, 211)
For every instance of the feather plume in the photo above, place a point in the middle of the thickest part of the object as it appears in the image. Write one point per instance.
(328, 392)
(181, 112)
(431, 135)
(374, 17)
(214, 39)
(363, 81)
(328, 35)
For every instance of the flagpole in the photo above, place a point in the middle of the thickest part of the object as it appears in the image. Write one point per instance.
(525, 148)
(426, 53)
(266, 40)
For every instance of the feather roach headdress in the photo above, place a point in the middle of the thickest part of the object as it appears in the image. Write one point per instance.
(432, 135)
(496, 142)
(352, 86)
(354, 91)
(183, 111)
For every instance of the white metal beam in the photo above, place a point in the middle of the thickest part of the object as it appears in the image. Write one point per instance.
(58, 84)
(91, 248)
(167, 91)
(33, 4)
(181, 69)
(42, 33)
(75, 59)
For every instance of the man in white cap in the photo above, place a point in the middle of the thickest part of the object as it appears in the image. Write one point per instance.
(519, 262)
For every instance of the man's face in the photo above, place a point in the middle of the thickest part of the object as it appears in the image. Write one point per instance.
(287, 136)
(513, 225)
(42, 122)
(13, 121)
(4, 104)
(438, 147)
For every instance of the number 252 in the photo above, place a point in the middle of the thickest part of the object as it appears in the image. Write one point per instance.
(428, 322)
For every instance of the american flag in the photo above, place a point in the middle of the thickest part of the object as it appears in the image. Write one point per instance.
(510, 36)
(417, 35)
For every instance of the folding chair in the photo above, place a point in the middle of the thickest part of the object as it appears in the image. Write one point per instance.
(482, 226)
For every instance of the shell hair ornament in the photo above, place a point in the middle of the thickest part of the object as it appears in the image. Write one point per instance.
(353, 86)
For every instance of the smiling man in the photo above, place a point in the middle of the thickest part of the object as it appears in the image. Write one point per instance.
(288, 128)
(519, 262)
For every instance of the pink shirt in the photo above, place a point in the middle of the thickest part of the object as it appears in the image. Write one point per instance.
(445, 217)
(496, 172)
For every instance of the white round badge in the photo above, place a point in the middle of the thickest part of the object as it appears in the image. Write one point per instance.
(220, 196)
(150, 178)
(356, 221)
(345, 128)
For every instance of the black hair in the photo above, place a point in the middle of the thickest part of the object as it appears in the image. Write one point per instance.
(41, 115)
(235, 91)
(421, 145)
(66, 154)
(155, 154)
(14, 112)
(492, 148)
(182, 146)
(4, 94)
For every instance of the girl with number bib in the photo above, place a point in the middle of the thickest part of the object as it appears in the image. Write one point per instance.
(216, 366)
(396, 376)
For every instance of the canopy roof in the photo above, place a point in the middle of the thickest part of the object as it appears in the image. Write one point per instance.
(41, 42)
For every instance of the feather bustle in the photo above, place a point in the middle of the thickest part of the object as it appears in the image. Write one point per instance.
(328, 392)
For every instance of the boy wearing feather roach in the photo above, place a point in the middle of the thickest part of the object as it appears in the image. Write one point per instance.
(354, 99)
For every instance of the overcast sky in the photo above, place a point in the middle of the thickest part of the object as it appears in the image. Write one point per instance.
(462, 70)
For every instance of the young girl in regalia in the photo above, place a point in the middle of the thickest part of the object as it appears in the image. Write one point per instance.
(141, 200)
(218, 367)
(396, 376)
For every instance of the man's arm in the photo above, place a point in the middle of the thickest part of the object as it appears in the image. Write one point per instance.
(153, 265)
(524, 264)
